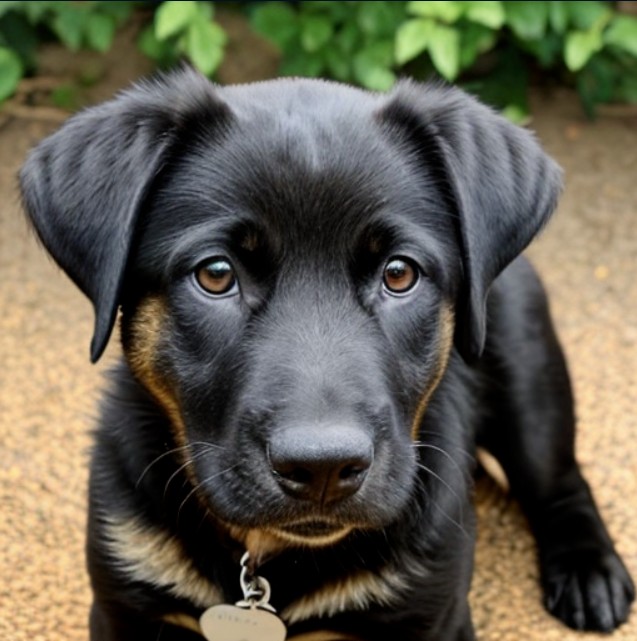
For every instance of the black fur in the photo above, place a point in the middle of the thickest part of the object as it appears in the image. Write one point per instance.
(308, 189)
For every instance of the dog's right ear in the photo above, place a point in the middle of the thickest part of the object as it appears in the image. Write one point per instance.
(83, 187)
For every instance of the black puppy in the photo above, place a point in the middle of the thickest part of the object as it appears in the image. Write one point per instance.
(322, 314)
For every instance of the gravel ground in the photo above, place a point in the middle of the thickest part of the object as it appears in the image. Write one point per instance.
(48, 391)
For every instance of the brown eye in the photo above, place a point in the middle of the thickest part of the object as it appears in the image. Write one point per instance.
(216, 276)
(399, 276)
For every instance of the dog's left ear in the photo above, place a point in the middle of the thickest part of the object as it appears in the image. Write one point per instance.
(501, 185)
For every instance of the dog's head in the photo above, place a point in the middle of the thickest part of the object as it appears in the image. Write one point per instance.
(295, 261)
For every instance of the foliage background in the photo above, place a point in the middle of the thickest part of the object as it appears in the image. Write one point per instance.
(494, 49)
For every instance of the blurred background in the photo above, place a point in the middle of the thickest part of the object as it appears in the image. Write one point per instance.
(566, 69)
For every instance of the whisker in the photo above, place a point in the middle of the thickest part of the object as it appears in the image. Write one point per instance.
(449, 443)
(439, 478)
(201, 484)
(174, 450)
(446, 454)
(460, 526)
(182, 467)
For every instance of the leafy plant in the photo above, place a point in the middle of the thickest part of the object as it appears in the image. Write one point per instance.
(179, 29)
(488, 46)
(185, 29)
(75, 24)
(348, 41)
(587, 41)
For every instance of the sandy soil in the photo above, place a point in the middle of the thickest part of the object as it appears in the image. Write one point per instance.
(48, 390)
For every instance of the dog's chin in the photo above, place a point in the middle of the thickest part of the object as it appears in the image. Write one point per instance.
(265, 542)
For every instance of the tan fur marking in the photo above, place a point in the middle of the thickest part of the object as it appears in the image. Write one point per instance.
(143, 335)
(183, 621)
(445, 342)
(264, 543)
(151, 555)
(144, 332)
(356, 592)
(493, 468)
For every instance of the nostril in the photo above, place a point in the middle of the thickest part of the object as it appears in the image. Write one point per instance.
(351, 472)
(296, 475)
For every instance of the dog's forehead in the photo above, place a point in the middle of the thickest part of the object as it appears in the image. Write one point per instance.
(304, 149)
(312, 163)
(308, 133)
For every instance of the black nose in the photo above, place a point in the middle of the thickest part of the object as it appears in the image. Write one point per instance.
(323, 464)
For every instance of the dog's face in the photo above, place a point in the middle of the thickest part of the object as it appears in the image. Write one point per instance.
(294, 261)
(293, 310)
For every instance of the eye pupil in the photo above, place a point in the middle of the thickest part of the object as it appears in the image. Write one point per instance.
(216, 276)
(399, 276)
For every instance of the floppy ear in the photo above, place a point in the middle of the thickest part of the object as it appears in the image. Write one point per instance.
(500, 184)
(83, 187)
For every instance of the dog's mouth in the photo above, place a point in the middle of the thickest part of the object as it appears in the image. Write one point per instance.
(264, 542)
(312, 533)
(313, 529)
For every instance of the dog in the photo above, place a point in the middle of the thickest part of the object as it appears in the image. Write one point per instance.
(324, 311)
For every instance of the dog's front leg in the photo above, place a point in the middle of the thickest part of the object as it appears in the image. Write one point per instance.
(585, 582)
(112, 624)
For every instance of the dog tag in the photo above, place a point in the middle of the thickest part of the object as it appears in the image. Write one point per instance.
(251, 619)
(233, 623)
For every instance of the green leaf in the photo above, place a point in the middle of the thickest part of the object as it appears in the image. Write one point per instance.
(316, 32)
(516, 114)
(489, 14)
(337, 11)
(371, 72)
(558, 16)
(204, 45)
(580, 46)
(68, 25)
(475, 39)
(586, 15)
(444, 49)
(412, 38)
(18, 34)
(100, 30)
(35, 11)
(627, 89)
(206, 11)
(173, 17)
(277, 21)
(10, 72)
(301, 63)
(120, 11)
(527, 19)
(443, 10)
(380, 18)
(348, 38)
(8, 5)
(548, 50)
(622, 33)
(161, 51)
(338, 65)
(597, 82)
(506, 85)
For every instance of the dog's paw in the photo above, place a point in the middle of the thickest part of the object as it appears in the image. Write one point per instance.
(588, 590)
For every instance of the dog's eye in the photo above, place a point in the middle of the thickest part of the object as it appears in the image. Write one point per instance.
(216, 276)
(399, 276)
